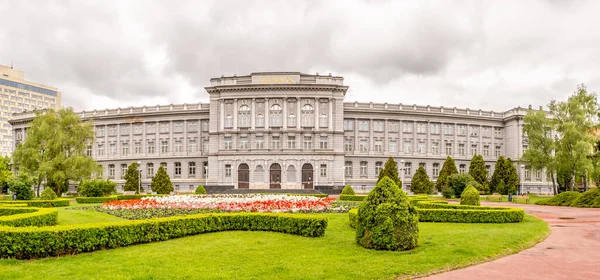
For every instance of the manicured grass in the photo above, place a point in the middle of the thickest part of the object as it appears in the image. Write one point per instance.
(69, 217)
(532, 199)
(268, 255)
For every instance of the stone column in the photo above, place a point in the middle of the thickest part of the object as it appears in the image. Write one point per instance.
(235, 114)
(267, 113)
(298, 116)
(284, 113)
(316, 110)
(253, 114)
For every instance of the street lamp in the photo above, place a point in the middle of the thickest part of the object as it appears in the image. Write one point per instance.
(520, 183)
(139, 176)
(205, 175)
(402, 173)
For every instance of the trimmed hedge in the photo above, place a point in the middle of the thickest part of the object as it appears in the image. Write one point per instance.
(561, 199)
(353, 197)
(84, 200)
(590, 198)
(133, 196)
(494, 198)
(31, 242)
(454, 213)
(322, 195)
(470, 196)
(27, 217)
(348, 190)
(39, 203)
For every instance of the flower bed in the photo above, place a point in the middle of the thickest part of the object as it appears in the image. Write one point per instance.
(228, 203)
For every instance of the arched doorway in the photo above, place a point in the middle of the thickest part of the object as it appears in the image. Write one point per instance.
(275, 175)
(243, 176)
(307, 176)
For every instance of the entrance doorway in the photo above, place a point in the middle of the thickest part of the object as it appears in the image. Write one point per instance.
(243, 176)
(307, 176)
(275, 176)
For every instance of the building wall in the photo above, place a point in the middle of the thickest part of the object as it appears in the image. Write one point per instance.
(246, 109)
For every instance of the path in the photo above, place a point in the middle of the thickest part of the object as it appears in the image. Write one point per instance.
(572, 251)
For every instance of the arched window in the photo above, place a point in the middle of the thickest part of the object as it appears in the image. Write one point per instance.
(323, 121)
(260, 120)
(228, 121)
(308, 115)
(275, 115)
(291, 120)
(244, 116)
(259, 174)
(111, 171)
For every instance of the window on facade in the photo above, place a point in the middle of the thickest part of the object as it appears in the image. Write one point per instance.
(436, 170)
(151, 128)
(149, 170)
(123, 170)
(421, 147)
(227, 170)
(363, 169)
(538, 175)
(307, 143)
(407, 146)
(192, 126)
(408, 168)
(474, 149)
(125, 129)
(498, 151)
(275, 115)
(378, 146)
(192, 145)
(363, 125)
(308, 115)
(435, 148)
(244, 116)
(393, 126)
(349, 144)
(348, 125)
(323, 142)
(164, 165)
(497, 132)
(461, 149)
(88, 151)
(448, 129)
(421, 127)
(527, 174)
(137, 128)
(323, 170)
(125, 148)
(486, 150)
(435, 128)
(393, 146)
(178, 126)
(275, 142)
(112, 130)
(348, 169)
(461, 130)
(486, 131)
(228, 121)
(164, 146)
(178, 146)
(378, 126)
(204, 125)
(177, 169)
(260, 142)
(291, 120)
(489, 170)
(260, 120)
(323, 121)
(474, 131)
(407, 127)
(112, 149)
(462, 168)
(205, 145)
(378, 167)
(111, 171)
(164, 127)
(191, 169)
(363, 145)
(291, 143)
(228, 143)
(137, 147)
(243, 142)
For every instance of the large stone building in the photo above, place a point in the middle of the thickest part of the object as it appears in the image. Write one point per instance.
(291, 130)
(19, 95)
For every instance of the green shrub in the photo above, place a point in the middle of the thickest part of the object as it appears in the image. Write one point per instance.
(39, 203)
(48, 194)
(590, 198)
(22, 189)
(561, 199)
(348, 190)
(200, 190)
(353, 216)
(420, 182)
(96, 188)
(352, 197)
(27, 217)
(458, 183)
(453, 213)
(447, 192)
(161, 182)
(85, 200)
(386, 219)
(32, 242)
(470, 196)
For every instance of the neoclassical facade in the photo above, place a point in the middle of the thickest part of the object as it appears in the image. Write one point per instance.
(291, 130)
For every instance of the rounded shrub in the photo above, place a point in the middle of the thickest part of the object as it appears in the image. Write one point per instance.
(470, 196)
(348, 190)
(48, 194)
(200, 190)
(447, 192)
(96, 188)
(561, 199)
(22, 189)
(386, 219)
(590, 198)
(458, 183)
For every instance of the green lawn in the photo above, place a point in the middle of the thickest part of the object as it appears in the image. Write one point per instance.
(68, 217)
(532, 199)
(269, 255)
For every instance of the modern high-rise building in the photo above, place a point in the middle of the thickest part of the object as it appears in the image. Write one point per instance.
(18, 95)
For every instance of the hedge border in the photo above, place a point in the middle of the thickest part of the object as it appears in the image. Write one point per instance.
(40, 242)
(134, 196)
(28, 216)
(86, 200)
(39, 203)
(347, 197)
(321, 195)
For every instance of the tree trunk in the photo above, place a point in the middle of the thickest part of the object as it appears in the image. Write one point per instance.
(554, 188)
(572, 183)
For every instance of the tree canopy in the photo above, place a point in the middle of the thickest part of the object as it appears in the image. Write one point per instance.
(449, 168)
(161, 182)
(420, 183)
(477, 169)
(390, 170)
(6, 175)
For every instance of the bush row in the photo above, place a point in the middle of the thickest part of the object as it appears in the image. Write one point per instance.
(309, 194)
(352, 197)
(84, 200)
(31, 243)
(26, 217)
(590, 198)
(493, 198)
(132, 196)
(39, 203)
(561, 199)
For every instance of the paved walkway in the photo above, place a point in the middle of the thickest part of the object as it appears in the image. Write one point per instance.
(572, 251)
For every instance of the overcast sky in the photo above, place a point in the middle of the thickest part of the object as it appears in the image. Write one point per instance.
(492, 55)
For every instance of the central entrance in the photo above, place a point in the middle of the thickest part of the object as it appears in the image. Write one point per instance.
(275, 176)
(243, 176)
(307, 176)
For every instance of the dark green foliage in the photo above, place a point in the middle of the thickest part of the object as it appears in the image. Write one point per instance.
(200, 190)
(477, 170)
(386, 219)
(22, 189)
(561, 199)
(447, 192)
(497, 176)
(132, 178)
(27, 217)
(96, 188)
(31, 243)
(420, 183)
(590, 198)
(458, 183)
(470, 196)
(132, 196)
(390, 170)
(353, 217)
(449, 168)
(512, 178)
(511, 215)
(85, 200)
(352, 197)
(348, 190)
(40, 203)
(48, 194)
(505, 179)
(161, 183)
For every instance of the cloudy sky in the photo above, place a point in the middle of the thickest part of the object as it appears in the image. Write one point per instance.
(478, 54)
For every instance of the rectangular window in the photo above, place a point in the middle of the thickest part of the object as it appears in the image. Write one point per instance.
(99, 130)
(407, 168)
(349, 144)
(125, 129)
(393, 126)
(474, 149)
(407, 127)
(378, 146)
(307, 143)
(204, 125)
(498, 151)
(123, 170)
(323, 170)
(112, 130)
(462, 168)
(486, 150)
(243, 142)
(348, 169)
(363, 145)
(497, 132)
(228, 143)
(421, 147)
(88, 151)
(448, 129)
(378, 126)
(192, 126)
(227, 170)
(435, 148)
(323, 142)
(421, 127)
(435, 128)
(177, 169)
(474, 131)
(275, 142)
(125, 148)
(164, 146)
(407, 146)
(461, 130)
(260, 142)
(260, 120)
(191, 169)
(178, 146)
(137, 128)
(363, 125)
(111, 171)
(164, 127)
(151, 128)
(461, 149)
(363, 168)
(149, 170)
(112, 149)
(178, 127)
(378, 167)
(393, 146)
(291, 144)
(138, 147)
(436, 170)
(486, 131)
(192, 145)
(205, 145)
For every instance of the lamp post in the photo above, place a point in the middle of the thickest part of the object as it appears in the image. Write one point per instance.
(520, 183)
(205, 175)
(402, 173)
(139, 176)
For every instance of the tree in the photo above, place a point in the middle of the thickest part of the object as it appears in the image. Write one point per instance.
(420, 183)
(511, 179)
(132, 178)
(498, 175)
(22, 189)
(96, 188)
(6, 176)
(390, 170)
(449, 168)
(458, 183)
(348, 190)
(540, 153)
(48, 194)
(161, 183)
(54, 149)
(477, 170)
